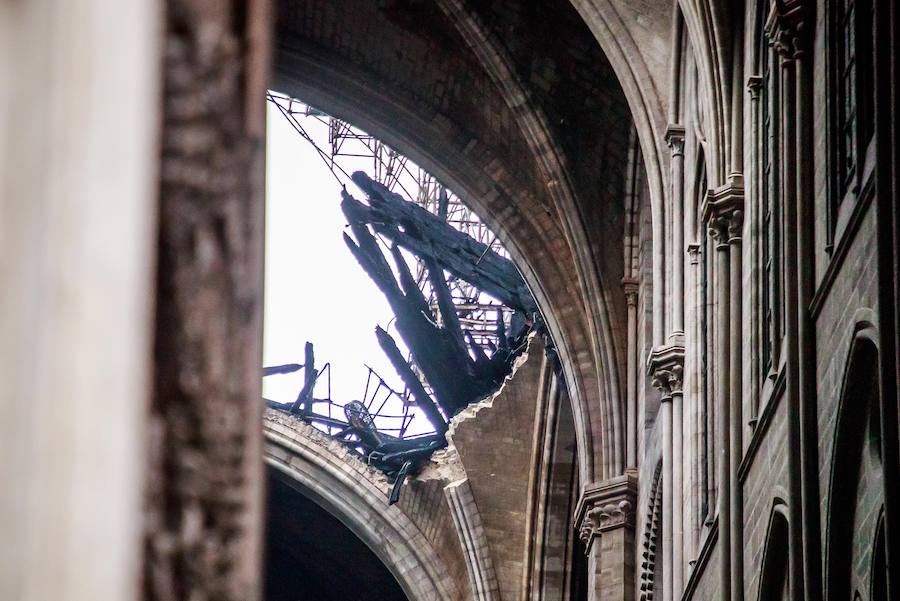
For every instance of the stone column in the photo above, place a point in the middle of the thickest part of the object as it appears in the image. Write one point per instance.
(722, 211)
(788, 30)
(692, 401)
(673, 479)
(754, 214)
(605, 520)
(79, 115)
(630, 288)
(675, 140)
(666, 370)
(204, 503)
(736, 422)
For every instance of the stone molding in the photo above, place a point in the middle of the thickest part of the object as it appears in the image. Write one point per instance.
(472, 538)
(665, 366)
(651, 537)
(723, 212)
(605, 506)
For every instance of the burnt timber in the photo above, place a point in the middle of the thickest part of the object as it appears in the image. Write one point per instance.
(458, 369)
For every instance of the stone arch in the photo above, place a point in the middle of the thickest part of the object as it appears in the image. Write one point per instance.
(322, 470)
(515, 186)
(709, 34)
(453, 165)
(642, 78)
(551, 160)
(774, 573)
(855, 462)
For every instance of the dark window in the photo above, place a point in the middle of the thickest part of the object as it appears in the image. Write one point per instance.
(854, 79)
(847, 80)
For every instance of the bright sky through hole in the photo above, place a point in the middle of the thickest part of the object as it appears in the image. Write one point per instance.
(315, 290)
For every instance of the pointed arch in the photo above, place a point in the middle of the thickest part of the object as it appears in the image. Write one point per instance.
(774, 574)
(310, 464)
(856, 429)
(603, 434)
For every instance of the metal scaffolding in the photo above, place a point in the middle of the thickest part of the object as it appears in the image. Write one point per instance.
(478, 312)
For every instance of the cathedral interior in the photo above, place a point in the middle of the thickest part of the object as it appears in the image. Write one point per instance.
(687, 392)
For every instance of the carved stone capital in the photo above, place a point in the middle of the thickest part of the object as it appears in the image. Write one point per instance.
(630, 288)
(665, 366)
(787, 28)
(675, 139)
(723, 212)
(605, 506)
(754, 86)
(718, 231)
(693, 251)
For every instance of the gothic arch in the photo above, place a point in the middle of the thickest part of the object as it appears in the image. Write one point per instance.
(855, 459)
(643, 86)
(774, 571)
(710, 33)
(309, 465)
(551, 160)
(527, 199)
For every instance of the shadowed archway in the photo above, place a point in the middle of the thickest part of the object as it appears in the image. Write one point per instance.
(311, 556)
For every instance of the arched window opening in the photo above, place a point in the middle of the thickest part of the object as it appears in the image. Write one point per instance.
(700, 366)
(856, 494)
(775, 580)
(306, 547)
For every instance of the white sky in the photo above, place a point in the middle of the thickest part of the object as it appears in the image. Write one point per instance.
(315, 290)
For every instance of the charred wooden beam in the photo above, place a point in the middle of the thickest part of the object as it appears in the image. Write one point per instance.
(287, 368)
(303, 404)
(457, 376)
(411, 380)
(430, 237)
(450, 371)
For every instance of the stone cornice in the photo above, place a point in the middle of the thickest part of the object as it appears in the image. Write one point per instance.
(665, 366)
(606, 506)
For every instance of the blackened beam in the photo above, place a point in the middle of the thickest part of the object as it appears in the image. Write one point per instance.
(430, 237)
(303, 402)
(455, 378)
(287, 368)
(412, 382)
